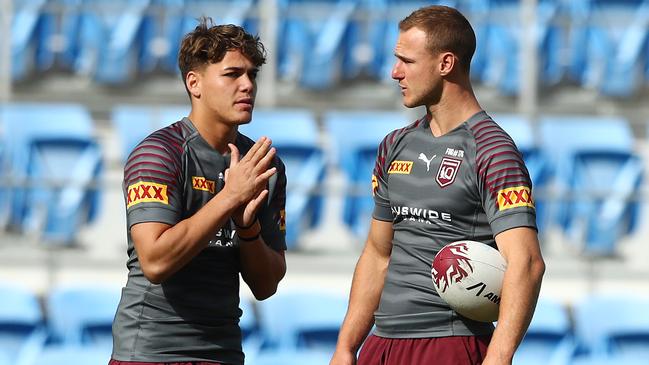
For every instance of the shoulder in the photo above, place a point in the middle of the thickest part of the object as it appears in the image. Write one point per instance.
(393, 138)
(163, 147)
(491, 140)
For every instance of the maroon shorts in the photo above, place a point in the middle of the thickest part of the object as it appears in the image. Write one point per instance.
(117, 362)
(456, 350)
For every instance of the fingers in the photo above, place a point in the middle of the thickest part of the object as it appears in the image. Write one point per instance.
(263, 178)
(234, 154)
(258, 150)
(262, 165)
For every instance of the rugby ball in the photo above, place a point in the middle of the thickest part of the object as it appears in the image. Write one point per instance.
(468, 275)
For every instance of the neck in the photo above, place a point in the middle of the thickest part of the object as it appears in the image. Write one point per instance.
(455, 106)
(216, 133)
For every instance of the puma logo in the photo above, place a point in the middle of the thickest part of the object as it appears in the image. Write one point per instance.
(426, 160)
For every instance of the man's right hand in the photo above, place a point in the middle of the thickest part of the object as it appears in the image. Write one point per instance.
(247, 178)
(343, 358)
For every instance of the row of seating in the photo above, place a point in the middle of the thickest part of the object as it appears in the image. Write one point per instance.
(599, 44)
(77, 320)
(585, 170)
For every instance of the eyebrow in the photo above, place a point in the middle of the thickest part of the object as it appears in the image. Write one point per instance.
(403, 58)
(237, 68)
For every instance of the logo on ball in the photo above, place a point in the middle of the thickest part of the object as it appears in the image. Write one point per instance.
(453, 264)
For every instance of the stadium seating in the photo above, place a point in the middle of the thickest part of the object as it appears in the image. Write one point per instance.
(134, 122)
(355, 137)
(549, 339)
(503, 62)
(82, 315)
(301, 320)
(295, 135)
(597, 176)
(614, 325)
(25, 38)
(608, 41)
(52, 155)
(21, 324)
(312, 40)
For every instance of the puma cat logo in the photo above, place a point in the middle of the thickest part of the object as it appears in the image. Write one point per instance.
(426, 160)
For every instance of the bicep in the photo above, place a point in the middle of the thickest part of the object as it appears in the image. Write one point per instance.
(145, 235)
(518, 243)
(379, 238)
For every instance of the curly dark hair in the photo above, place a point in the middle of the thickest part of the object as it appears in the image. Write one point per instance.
(208, 43)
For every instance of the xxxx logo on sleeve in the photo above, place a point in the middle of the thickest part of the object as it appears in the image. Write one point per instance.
(146, 192)
(400, 167)
(201, 183)
(519, 196)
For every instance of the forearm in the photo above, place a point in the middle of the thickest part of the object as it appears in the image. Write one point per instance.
(521, 286)
(178, 244)
(262, 268)
(367, 285)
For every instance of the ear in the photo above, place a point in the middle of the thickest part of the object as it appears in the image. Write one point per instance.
(447, 62)
(193, 83)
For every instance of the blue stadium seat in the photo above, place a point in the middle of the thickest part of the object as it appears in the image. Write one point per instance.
(178, 17)
(110, 39)
(134, 122)
(355, 138)
(549, 339)
(598, 175)
(290, 357)
(503, 63)
(524, 135)
(313, 38)
(613, 326)
(82, 315)
(56, 162)
(295, 135)
(72, 355)
(25, 37)
(21, 324)
(302, 320)
(608, 39)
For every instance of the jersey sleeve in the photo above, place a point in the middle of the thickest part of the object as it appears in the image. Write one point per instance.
(382, 209)
(273, 217)
(152, 182)
(504, 182)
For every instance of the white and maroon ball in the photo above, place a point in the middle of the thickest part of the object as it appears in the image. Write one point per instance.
(468, 275)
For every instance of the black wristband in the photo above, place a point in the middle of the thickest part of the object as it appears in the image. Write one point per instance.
(246, 227)
(250, 239)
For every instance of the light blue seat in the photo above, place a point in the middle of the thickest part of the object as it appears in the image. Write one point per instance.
(613, 326)
(503, 63)
(82, 315)
(608, 41)
(302, 320)
(25, 37)
(178, 17)
(549, 339)
(56, 162)
(21, 323)
(134, 122)
(355, 137)
(312, 40)
(295, 134)
(525, 137)
(72, 355)
(110, 40)
(597, 175)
